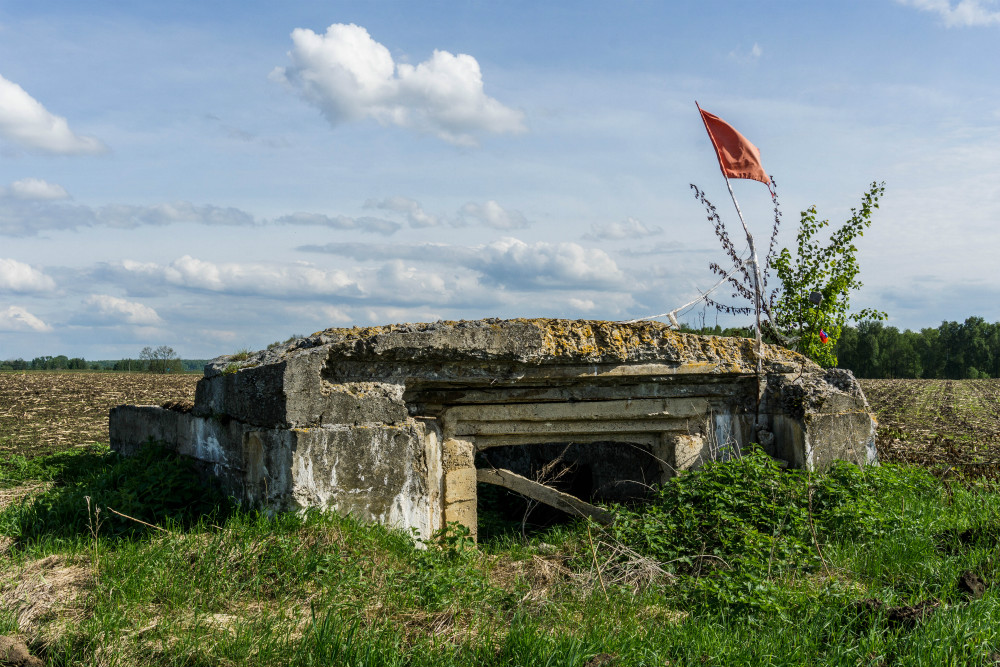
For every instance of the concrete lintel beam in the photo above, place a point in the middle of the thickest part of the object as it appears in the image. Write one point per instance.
(557, 431)
(646, 408)
(649, 439)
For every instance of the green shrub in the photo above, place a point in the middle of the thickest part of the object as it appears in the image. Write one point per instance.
(745, 513)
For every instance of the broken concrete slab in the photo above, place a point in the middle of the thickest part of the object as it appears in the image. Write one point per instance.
(390, 423)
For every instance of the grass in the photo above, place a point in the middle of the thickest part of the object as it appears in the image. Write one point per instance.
(737, 564)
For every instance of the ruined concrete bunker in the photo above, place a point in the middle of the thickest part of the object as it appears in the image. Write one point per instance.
(398, 424)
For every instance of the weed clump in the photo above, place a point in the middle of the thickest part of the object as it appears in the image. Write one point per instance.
(732, 531)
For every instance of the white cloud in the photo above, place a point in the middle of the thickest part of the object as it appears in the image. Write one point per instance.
(415, 213)
(35, 189)
(491, 214)
(629, 228)
(24, 121)
(218, 334)
(560, 265)
(349, 76)
(30, 206)
(127, 216)
(252, 279)
(363, 224)
(965, 13)
(17, 319)
(116, 310)
(16, 276)
(508, 261)
(488, 214)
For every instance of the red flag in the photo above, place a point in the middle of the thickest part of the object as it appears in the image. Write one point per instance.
(737, 156)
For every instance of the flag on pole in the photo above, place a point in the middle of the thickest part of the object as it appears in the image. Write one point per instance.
(737, 156)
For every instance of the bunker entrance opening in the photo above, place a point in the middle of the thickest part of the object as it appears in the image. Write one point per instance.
(579, 473)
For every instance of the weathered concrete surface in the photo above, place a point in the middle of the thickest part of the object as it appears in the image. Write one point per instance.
(389, 423)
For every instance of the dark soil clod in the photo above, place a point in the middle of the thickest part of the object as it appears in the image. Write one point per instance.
(904, 615)
(971, 584)
(14, 653)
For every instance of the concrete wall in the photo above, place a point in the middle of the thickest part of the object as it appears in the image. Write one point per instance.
(386, 423)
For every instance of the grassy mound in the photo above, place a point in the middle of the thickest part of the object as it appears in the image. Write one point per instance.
(739, 563)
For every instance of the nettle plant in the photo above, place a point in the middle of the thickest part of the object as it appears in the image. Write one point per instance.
(813, 298)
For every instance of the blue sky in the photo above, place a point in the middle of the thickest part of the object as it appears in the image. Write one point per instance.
(214, 176)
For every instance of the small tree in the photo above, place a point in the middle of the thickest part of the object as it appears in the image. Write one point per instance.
(815, 286)
(162, 359)
(816, 283)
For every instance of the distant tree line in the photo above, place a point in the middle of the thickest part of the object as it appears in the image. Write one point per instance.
(62, 362)
(150, 360)
(954, 350)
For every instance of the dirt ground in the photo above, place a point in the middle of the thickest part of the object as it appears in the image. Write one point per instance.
(942, 424)
(42, 412)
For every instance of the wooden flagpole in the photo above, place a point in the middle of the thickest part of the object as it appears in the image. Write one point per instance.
(756, 270)
(753, 248)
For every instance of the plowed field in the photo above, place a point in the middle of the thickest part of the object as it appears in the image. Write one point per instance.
(45, 412)
(943, 424)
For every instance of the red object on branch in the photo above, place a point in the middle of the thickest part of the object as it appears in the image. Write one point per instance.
(738, 157)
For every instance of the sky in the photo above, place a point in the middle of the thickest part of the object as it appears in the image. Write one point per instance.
(217, 176)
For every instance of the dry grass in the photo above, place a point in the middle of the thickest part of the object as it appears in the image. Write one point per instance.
(46, 412)
(46, 593)
(22, 493)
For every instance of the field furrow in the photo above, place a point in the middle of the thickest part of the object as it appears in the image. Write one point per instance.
(944, 424)
(42, 412)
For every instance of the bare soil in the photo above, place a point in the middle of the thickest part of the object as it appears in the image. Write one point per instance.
(950, 426)
(45, 412)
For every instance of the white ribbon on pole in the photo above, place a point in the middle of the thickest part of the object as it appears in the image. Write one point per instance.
(672, 315)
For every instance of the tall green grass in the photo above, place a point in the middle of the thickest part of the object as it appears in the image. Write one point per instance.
(747, 564)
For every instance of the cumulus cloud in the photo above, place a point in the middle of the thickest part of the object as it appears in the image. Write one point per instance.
(17, 319)
(391, 283)
(115, 310)
(508, 261)
(18, 277)
(362, 224)
(25, 122)
(965, 13)
(629, 228)
(34, 189)
(491, 214)
(252, 278)
(349, 76)
(561, 265)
